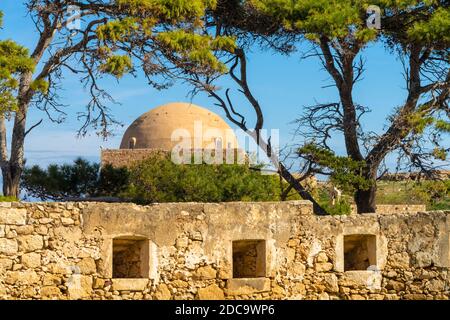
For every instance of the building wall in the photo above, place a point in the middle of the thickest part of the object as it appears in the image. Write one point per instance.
(127, 157)
(65, 251)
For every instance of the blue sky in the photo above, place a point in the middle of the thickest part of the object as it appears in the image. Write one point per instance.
(283, 85)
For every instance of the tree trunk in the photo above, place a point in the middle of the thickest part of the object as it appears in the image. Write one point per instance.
(365, 199)
(11, 181)
(284, 172)
(12, 169)
(301, 190)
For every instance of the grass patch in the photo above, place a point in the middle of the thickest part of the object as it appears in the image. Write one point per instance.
(8, 199)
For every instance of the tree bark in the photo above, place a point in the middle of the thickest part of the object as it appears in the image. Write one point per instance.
(365, 199)
(12, 169)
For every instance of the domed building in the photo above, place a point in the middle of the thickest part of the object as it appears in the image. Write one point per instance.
(170, 126)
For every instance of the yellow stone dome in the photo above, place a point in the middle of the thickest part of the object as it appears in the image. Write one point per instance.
(160, 128)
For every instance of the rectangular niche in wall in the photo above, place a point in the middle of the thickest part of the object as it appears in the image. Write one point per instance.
(359, 251)
(249, 258)
(130, 258)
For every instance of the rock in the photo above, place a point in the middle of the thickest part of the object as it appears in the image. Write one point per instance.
(423, 259)
(321, 257)
(400, 260)
(293, 243)
(331, 283)
(79, 287)
(435, 285)
(99, 283)
(212, 292)
(42, 230)
(11, 234)
(196, 236)
(162, 292)
(357, 297)
(30, 243)
(180, 284)
(299, 288)
(8, 247)
(182, 242)
(31, 260)
(205, 273)
(24, 230)
(395, 285)
(27, 277)
(13, 216)
(324, 296)
(298, 270)
(323, 267)
(129, 284)
(45, 220)
(50, 292)
(5, 264)
(181, 275)
(414, 296)
(87, 266)
(2, 231)
(247, 286)
(67, 221)
(278, 291)
(51, 280)
(3, 292)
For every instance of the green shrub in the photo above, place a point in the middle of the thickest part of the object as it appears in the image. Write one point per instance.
(341, 207)
(77, 180)
(161, 180)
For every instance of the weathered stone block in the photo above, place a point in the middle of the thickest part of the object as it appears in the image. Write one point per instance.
(435, 285)
(323, 267)
(399, 260)
(13, 216)
(129, 284)
(331, 283)
(24, 230)
(87, 266)
(212, 292)
(243, 286)
(51, 280)
(67, 221)
(31, 260)
(5, 264)
(50, 292)
(8, 247)
(423, 259)
(99, 283)
(27, 277)
(162, 292)
(321, 257)
(79, 287)
(30, 243)
(205, 273)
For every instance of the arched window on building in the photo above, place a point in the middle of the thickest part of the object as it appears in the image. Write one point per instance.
(132, 143)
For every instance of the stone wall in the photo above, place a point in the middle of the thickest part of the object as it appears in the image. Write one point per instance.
(395, 208)
(127, 157)
(185, 251)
